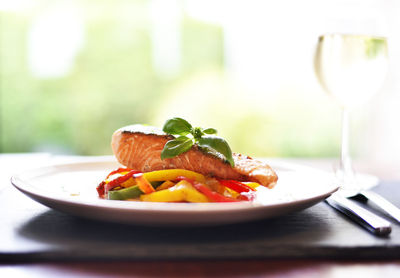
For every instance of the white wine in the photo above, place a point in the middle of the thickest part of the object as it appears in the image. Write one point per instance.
(351, 67)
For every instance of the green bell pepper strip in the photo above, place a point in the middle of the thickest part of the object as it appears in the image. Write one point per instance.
(123, 194)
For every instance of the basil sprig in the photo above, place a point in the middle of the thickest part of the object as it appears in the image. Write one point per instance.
(187, 136)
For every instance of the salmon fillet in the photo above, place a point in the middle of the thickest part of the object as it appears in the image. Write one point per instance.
(139, 147)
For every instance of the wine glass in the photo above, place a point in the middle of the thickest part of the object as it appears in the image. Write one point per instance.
(351, 68)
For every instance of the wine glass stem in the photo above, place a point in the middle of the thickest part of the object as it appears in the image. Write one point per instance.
(345, 161)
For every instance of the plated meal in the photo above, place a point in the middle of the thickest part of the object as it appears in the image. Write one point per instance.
(181, 163)
(175, 176)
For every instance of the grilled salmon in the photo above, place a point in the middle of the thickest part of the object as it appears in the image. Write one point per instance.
(139, 147)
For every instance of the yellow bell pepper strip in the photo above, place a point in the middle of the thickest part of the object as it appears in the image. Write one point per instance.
(130, 182)
(190, 193)
(166, 195)
(126, 193)
(253, 185)
(172, 174)
(143, 183)
(183, 191)
(165, 185)
(212, 195)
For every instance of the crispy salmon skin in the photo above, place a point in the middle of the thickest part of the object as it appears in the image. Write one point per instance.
(139, 147)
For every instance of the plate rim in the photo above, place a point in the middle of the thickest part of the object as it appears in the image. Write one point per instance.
(190, 208)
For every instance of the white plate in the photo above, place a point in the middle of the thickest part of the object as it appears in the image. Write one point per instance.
(71, 188)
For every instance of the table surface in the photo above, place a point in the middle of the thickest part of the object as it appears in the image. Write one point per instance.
(198, 268)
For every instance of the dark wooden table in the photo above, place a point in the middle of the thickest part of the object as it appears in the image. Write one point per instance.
(243, 268)
(206, 268)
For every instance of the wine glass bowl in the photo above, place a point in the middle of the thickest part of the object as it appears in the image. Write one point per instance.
(351, 68)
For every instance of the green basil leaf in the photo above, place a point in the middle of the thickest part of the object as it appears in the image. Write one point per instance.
(210, 131)
(177, 126)
(217, 144)
(197, 132)
(176, 146)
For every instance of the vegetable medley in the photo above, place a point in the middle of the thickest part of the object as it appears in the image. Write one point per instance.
(173, 185)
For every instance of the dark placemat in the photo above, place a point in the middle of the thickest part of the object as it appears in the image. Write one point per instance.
(32, 232)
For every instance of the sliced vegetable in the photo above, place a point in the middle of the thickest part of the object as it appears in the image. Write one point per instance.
(253, 185)
(246, 192)
(126, 193)
(128, 183)
(214, 185)
(119, 170)
(165, 185)
(212, 195)
(173, 185)
(143, 183)
(172, 174)
(116, 182)
(100, 189)
(247, 196)
(166, 195)
(236, 185)
(156, 184)
(183, 191)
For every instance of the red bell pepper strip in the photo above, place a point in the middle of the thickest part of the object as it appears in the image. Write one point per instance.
(212, 195)
(238, 186)
(181, 178)
(247, 196)
(119, 180)
(143, 184)
(100, 189)
(119, 170)
(246, 192)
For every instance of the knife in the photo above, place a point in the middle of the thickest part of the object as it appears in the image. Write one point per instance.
(372, 222)
(368, 182)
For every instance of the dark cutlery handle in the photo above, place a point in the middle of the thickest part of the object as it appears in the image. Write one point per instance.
(382, 203)
(373, 223)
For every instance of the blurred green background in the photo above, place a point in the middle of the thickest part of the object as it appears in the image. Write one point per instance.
(72, 72)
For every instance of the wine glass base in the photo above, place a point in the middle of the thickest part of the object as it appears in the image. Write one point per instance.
(366, 181)
(358, 182)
